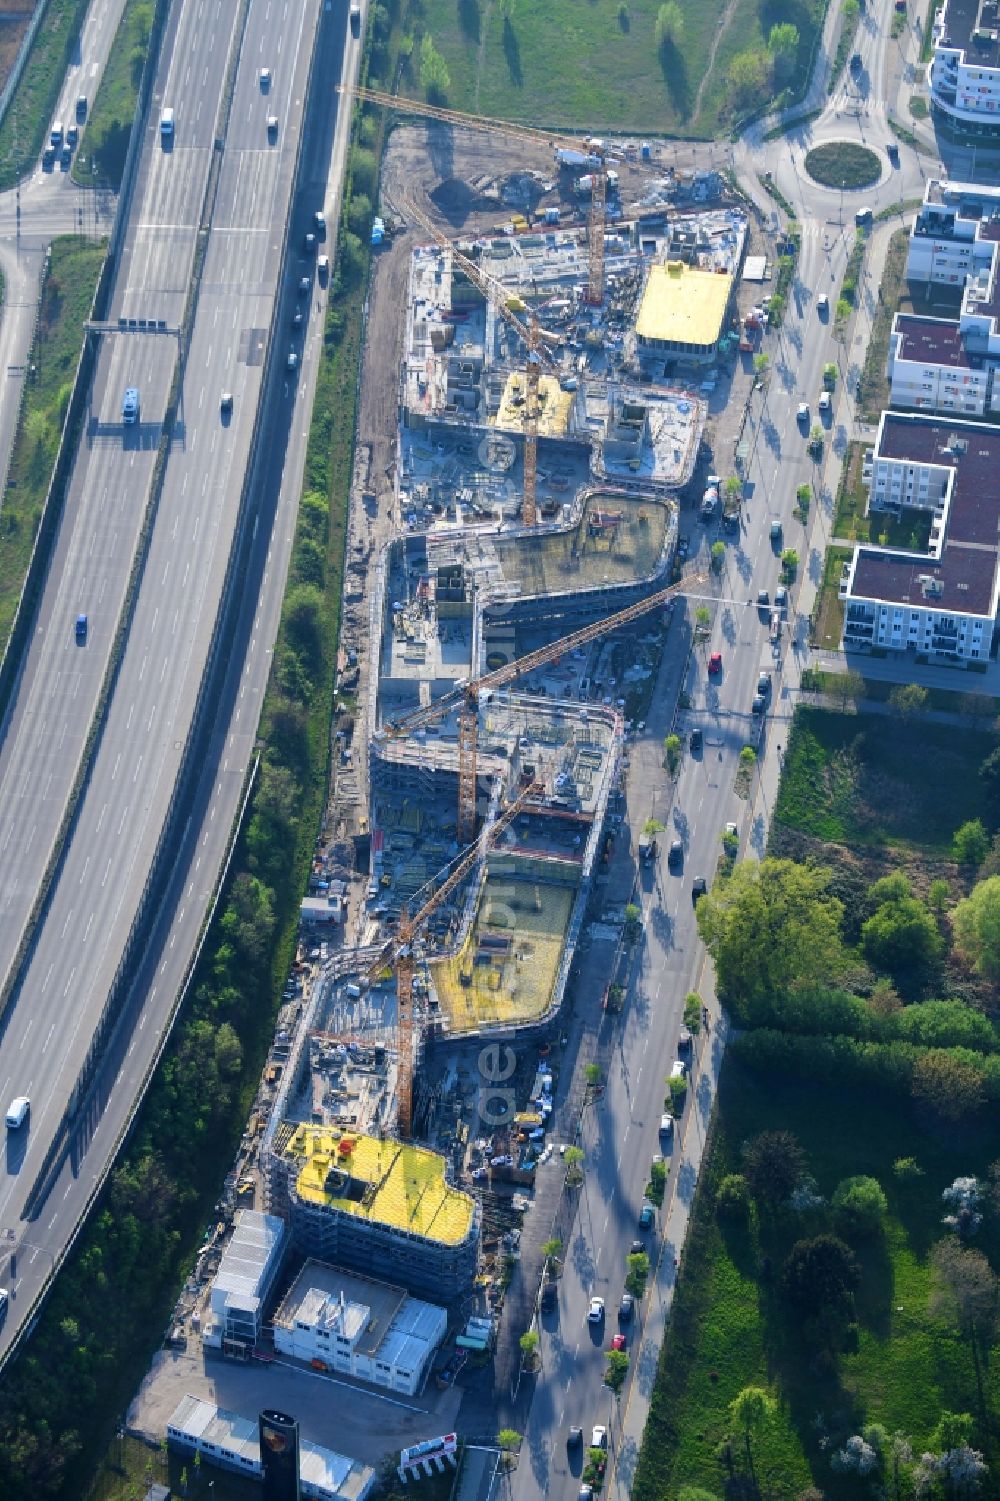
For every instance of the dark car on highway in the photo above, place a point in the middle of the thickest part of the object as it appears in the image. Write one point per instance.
(675, 856)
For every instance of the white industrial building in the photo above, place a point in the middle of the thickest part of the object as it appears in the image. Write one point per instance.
(358, 1327)
(240, 1288)
(232, 1441)
(965, 70)
(940, 604)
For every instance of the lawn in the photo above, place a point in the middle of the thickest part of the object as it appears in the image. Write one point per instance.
(595, 63)
(912, 531)
(828, 623)
(105, 139)
(67, 295)
(843, 164)
(873, 389)
(729, 1328)
(864, 780)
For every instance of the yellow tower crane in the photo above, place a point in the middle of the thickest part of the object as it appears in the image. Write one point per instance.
(532, 335)
(397, 952)
(594, 149)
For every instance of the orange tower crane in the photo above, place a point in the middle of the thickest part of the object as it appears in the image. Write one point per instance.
(466, 696)
(595, 149)
(532, 335)
(398, 950)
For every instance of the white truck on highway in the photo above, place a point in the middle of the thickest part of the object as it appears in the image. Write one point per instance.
(355, 14)
(166, 127)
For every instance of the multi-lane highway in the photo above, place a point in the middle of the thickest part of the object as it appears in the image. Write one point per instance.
(245, 284)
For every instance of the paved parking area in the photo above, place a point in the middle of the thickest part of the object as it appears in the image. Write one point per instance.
(349, 1419)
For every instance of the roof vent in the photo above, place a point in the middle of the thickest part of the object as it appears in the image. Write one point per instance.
(930, 587)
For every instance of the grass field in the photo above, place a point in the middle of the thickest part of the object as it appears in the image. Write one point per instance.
(829, 612)
(911, 531)
(595, 63)
(728, 1328)
(67, 295)
(857, 780)
(105, 139)
(26, 122)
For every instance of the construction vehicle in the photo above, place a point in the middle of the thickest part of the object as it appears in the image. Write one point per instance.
(534, 338)
(566, 148)
(466, 696)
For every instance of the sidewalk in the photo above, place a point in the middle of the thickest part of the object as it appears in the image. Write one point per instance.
(689, 1151)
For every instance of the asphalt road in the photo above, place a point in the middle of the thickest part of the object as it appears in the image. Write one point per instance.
(620, 1134)
(122, 812)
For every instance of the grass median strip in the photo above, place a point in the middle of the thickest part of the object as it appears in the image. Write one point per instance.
(66, 299)
(104, 144)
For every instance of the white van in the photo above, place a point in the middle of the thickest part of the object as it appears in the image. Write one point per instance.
(167, 126)
(17, 1112)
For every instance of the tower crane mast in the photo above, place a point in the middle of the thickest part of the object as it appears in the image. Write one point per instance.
(599, 172)
(466, 697)
(398, 950)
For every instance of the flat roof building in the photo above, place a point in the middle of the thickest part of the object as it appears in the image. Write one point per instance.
(683, 310)
(940, 604)
(246, 1274)
(965, 69)
(375, 1205)
(358, 1327)
(232, 1441)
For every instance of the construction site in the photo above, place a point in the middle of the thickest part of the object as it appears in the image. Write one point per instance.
(543, 350)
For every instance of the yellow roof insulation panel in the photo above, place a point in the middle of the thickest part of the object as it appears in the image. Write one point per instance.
(554, 406)
(400, 1185)
(683, 305)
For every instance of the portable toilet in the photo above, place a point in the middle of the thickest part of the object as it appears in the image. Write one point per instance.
(645, 150)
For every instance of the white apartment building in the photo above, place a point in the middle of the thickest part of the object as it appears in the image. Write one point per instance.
(354, 1326)
(931, 369)
(965, 69)
(955, 233)
(942, 603)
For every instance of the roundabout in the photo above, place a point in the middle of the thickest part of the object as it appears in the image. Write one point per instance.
(843, 164)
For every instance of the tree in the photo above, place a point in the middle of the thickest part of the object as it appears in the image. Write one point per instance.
(850, 687)
(908, 699)
(672, 753)
(748, 77)
(971, 844)
(732, 1198)
(509, 1441)
(652, 827)
(669, 29)
(616, 1369)
(702, 615)
(783, 45)
(820, 1277)
(938, 895)
(948, 1082)
(574, 1165)
(435, 80)
(633, 921)
(637, 1273)
(717, 553)
(734, 492)
(965, 1291)
(529, 1349)
(752, 1410)
(678, 1093)
(859, 1206)
(976, 926)
(592, 1074)
(770, 927)
(693, 1006)
(979, 707)
(989, 776)
(774, 1164)
(789, 562)
(902, 938)
(761, 364)
(552, 1250)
